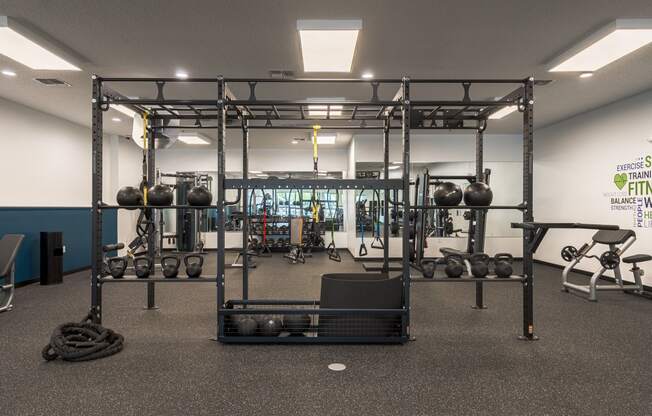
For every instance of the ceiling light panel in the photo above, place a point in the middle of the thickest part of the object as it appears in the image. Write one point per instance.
(328, 45)
(16, 46)
(611, 43)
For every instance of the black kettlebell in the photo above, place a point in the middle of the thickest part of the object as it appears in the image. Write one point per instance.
(117, 266)
(170, 266)
(503, 265)
(479, 265)
(193, 263)
(454, 265)
(143, 267)
(428, 268)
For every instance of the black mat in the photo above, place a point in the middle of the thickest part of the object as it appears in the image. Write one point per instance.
(592, 359)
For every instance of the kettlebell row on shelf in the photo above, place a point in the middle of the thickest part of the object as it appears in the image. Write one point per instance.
(480, 265)
(170, 264)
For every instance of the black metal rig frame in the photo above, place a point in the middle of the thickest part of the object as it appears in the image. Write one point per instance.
(226, 112)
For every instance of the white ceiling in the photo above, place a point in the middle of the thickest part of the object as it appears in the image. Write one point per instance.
(419, 38)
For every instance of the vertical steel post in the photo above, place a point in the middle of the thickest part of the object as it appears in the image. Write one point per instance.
(221, 175)
(96, 213)
(386, 196)
(151, 227)
(405, 117)
(245, 208)
(528, 213)
(478, 238)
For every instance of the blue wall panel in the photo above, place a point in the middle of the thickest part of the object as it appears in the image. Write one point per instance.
(75, 223)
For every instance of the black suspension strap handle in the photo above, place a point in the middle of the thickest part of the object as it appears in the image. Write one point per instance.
(375, 219)
(363, 248)
(331, 249)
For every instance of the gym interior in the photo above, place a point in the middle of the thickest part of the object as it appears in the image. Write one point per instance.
(338, 208)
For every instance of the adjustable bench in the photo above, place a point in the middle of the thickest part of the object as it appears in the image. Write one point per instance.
(9, 245)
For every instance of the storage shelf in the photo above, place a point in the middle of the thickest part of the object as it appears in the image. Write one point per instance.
(156, 207)
(161, 279)
(468, 279)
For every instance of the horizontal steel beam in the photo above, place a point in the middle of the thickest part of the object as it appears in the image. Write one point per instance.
(313, 183)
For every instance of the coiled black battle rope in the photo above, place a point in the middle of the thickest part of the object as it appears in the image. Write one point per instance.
(82, 341)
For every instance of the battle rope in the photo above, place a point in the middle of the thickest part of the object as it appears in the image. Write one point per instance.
(82, 341)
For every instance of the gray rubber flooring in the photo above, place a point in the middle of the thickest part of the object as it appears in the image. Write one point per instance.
(592, 358)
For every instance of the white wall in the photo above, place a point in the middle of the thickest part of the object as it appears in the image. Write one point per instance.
(574, 166)
(286, 160)
(46, 161)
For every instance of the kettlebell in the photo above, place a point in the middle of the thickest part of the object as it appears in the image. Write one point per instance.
(503, 265)
(454, 265)
(479, 265)
(170, 266)
(117, 266)
(428, 268)
(193, 263)
(143, 267)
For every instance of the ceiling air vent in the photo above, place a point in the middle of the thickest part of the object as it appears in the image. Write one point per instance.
(281, 74)
(52, 82)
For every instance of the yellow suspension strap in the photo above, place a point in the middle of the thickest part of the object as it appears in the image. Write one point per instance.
(315, 171)
(145, 148)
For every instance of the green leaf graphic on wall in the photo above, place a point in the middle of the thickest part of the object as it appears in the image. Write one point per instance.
(620, 180)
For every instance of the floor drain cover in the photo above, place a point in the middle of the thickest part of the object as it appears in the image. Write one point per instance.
(337, 367)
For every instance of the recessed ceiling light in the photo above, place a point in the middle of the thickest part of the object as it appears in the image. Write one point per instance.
(586, 74)
(503, 112)
(181, 74)
(124, 110)
(255, 172)
(8, 72)
(21, 49)
(609, 44)
(193, 138)
(367, 75)
(394, 167)
(328, 45)
(295, 142)
(116, 119)
(326, 138)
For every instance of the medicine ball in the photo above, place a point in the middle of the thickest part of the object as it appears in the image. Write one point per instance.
(270, 327)
(296, 324)
(199, 196)
(160, 195)
(129, 196)
(478, 194)
(246, 326)
(447, 194)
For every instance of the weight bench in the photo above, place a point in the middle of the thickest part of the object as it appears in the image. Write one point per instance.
(9, 245)
(618, 242)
